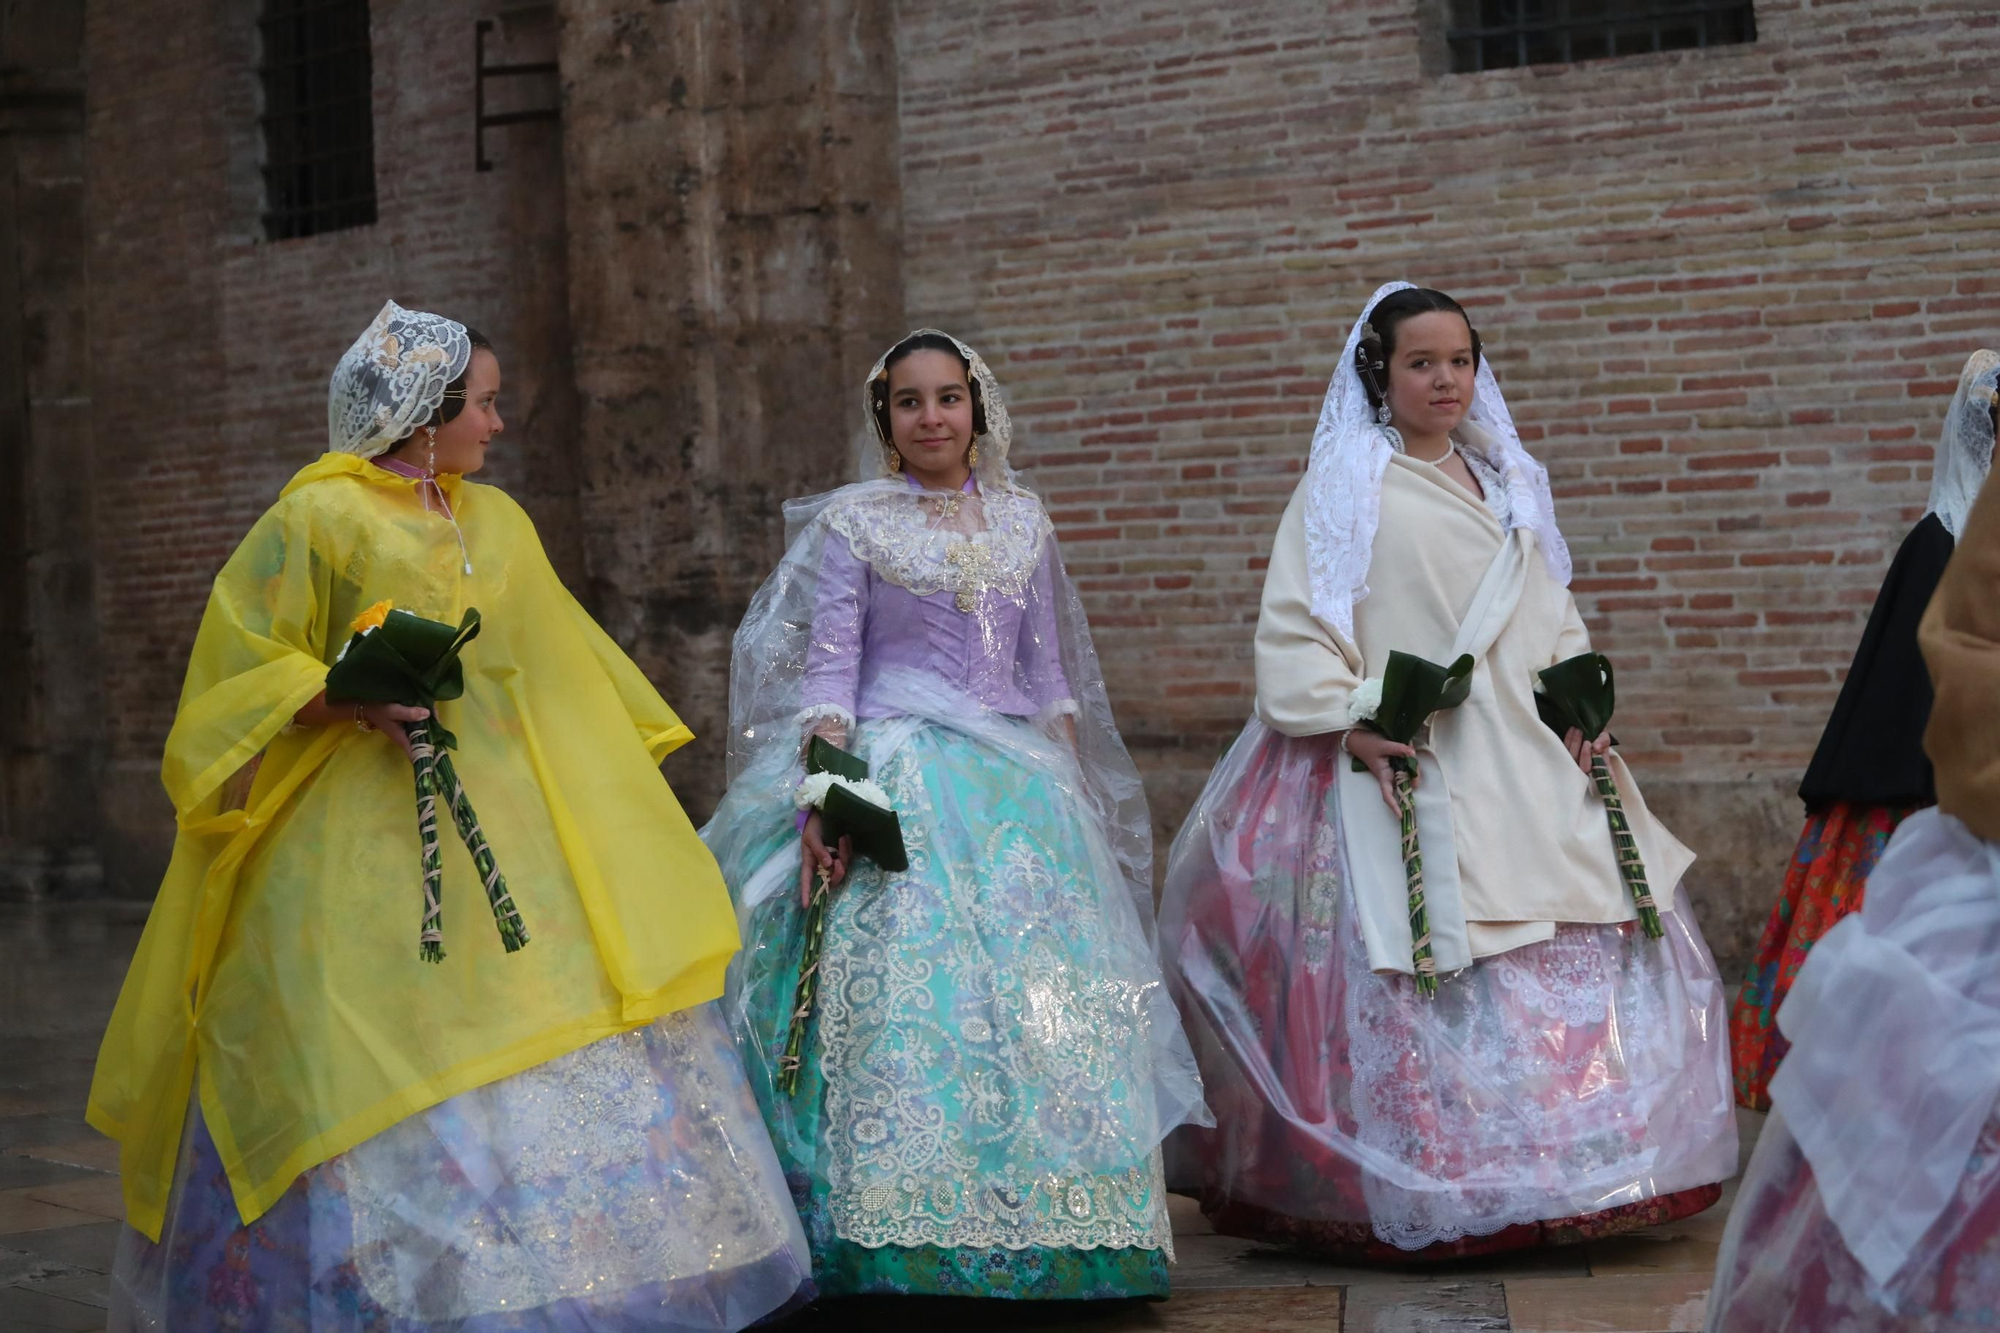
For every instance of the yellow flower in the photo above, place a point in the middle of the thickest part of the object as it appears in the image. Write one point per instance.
(373, 617)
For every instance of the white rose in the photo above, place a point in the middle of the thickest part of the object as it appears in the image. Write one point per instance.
(811, 794)
(868, 790)
(1366, 700)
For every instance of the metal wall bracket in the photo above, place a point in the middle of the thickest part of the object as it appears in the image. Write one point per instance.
(482, 120)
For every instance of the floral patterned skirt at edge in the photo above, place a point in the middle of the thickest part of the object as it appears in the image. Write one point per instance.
(977, 1113)
(1830, 868)
(625, 1186)
(1561, 1091)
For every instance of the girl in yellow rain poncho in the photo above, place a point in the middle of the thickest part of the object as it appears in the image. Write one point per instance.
(317, 1129)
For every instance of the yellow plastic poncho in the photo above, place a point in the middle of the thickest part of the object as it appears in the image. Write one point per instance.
(279, 965)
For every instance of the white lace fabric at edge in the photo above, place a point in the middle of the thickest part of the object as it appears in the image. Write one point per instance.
(1965, 450)
(392, 379)
(582, 1205)
(1436, 1091)
(1344, 482)
(913, 547)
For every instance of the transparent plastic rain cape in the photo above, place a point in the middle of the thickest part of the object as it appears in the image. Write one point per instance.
(994, 1053)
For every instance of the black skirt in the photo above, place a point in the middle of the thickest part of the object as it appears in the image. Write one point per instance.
(1872, 750)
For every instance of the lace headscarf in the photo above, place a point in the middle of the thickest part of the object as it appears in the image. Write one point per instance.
(1965, 450)
(392, 379)
(1344, 481)
(992, 469)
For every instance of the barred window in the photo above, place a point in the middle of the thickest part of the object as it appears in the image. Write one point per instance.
(1502, 34)
(319, 125)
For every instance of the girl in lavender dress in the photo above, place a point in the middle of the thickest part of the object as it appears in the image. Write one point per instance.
(993, 1062)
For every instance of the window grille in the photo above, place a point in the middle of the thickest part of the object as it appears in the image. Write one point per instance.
(318, 121)
(1504, 34)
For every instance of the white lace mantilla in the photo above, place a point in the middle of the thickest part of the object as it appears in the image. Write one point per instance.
(1350, 453)
(1021, 1117)
(911, 541)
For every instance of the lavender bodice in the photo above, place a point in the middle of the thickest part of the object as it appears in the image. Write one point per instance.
(991, 638)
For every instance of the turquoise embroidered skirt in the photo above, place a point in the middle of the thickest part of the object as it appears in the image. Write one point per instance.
(980, 1107)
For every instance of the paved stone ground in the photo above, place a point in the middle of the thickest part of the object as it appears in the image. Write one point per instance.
(59, 1209)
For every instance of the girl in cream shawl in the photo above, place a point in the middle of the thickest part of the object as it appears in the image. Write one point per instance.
(1569, 1079)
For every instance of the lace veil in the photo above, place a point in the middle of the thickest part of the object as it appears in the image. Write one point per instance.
(1344, 479)
(1965, 450)
(391, 380)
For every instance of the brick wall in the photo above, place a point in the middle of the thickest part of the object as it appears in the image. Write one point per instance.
(211, 347)
(1727, 293)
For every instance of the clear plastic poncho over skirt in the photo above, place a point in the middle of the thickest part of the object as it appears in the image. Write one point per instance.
(994, 1061)
(320, 1131)
(1559, 1090)
(1872, 1202)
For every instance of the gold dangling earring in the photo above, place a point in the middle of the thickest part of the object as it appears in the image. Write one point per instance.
(433, 460)
(972, 455)
(895, 460)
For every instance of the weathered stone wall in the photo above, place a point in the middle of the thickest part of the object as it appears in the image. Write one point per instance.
(51, 723)
(734, 251)
(1726, 292)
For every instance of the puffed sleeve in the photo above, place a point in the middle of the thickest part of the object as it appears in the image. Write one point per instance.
(833, 659)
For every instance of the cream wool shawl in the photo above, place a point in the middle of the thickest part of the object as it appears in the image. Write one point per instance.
(1506, 808)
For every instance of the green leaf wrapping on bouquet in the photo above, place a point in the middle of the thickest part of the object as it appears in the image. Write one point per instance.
(416, 662)
(1579, 692)
(823, 756)
(878, 835)
(876, 831)
(405, 660)
(1414, 688)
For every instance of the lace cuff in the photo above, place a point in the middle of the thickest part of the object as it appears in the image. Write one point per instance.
(1046, 718)
(810, 718)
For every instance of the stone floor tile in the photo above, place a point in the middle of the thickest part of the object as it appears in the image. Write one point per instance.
(96, 1152)
(19, 1212)
(97, 1194)
(23, 1311)
(16, 1100)
(1429, 1307)
(1653, 1254)
(1186, 1213)
(1297, 1310)
(1223, 1262)
(83, 1288)
(29, 1131)
(89, 1246)
(1629, 1303)
(19, 1172)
